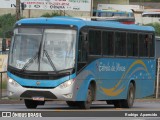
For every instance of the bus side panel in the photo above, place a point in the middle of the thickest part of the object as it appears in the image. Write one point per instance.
(113, 77)
(83, 80)
(148, 82)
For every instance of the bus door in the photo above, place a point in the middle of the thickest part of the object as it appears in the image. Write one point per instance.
(82, 50)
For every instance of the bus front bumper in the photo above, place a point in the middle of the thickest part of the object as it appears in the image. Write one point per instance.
(61, 92)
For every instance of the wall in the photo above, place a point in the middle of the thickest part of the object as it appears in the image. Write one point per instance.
(38, 13)
(95, 2)
(119, 2)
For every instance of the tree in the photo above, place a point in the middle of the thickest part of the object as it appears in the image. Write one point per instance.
(7, 22)
(51, 14)
(156, 26)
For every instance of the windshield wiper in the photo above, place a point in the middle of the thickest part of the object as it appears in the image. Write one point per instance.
(30, 61)
(50, 61)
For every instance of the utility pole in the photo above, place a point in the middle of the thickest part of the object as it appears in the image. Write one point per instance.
(17, 9)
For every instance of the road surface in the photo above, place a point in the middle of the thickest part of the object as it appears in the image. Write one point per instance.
(98, 109)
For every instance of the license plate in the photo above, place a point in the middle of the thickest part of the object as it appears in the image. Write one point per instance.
(38, 98)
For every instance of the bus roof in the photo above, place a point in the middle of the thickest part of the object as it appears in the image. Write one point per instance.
(112, 11)
(81, 23)
(150, 13)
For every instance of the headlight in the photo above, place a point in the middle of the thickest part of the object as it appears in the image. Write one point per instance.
(67, 83)
(12, 82)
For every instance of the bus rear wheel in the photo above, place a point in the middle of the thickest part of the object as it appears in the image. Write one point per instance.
(128, 103)
(90, 96)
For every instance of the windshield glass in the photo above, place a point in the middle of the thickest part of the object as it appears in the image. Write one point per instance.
(43, 49)
(59, 46)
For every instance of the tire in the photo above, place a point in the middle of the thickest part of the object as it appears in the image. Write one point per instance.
(72, 103)
(90, 97)
(30, 104)
(128, 103)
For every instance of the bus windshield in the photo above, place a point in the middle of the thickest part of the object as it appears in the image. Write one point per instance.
(43, 49)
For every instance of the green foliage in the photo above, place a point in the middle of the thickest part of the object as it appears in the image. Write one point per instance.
(6, 24)
(51, 14)
(156, 26)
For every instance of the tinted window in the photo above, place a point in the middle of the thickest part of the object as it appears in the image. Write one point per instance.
(151, 45)
(120, 44)
(143, 45)
(95, 42)
(108, 43)
(132, 44)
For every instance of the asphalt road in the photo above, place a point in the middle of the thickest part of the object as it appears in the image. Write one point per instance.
(98, 109)
(96, 106)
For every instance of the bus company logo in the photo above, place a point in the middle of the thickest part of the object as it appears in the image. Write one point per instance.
(38, 83)
(6, 114)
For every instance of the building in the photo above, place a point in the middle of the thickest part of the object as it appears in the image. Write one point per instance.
(38, 12)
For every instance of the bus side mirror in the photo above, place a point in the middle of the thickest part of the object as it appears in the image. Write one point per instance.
(4, 44)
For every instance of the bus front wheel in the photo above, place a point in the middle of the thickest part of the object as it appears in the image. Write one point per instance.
(90, 96)
(31, 104)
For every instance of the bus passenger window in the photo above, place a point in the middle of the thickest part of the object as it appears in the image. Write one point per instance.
(108, 43)
(151, 45)
(95, 42)
(120, 44)
(132, 44)
(82, 48)
(145, 45)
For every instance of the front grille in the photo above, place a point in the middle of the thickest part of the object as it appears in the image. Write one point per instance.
(35, 87)
(32, 93)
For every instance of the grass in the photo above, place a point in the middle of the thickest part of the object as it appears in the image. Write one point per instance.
(4, 84)
(4, 81)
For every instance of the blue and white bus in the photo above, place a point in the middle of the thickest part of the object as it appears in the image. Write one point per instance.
(120, 16)
(151, 14)
(78, 61)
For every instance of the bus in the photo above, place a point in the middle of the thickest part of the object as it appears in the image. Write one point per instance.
(115, 12)
(151, 14)
(78, 61)
(120, 16)
(150, 17)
